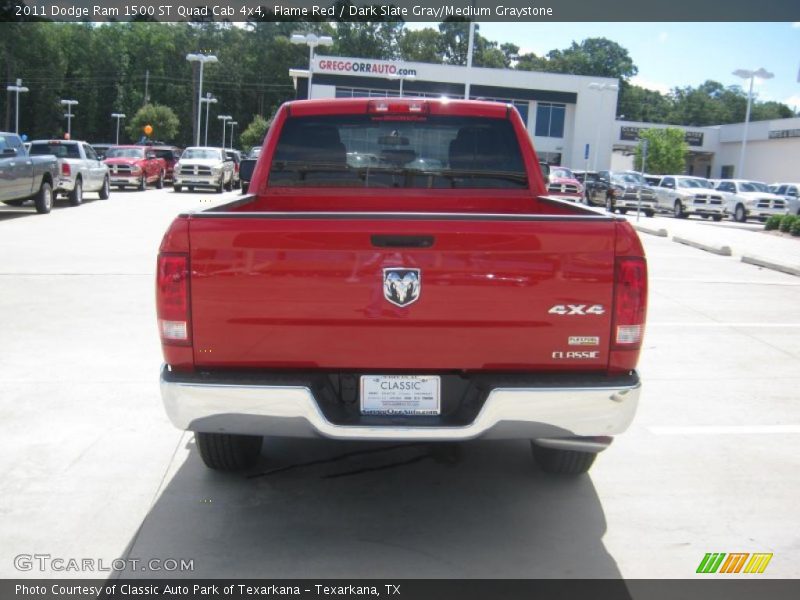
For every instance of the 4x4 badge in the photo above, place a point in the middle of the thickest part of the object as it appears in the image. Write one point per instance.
(402, 286)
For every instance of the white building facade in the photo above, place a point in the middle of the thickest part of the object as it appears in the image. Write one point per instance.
(570, 118)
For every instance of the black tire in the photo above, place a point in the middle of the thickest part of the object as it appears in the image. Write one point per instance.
(562, 462)
(228, 452)
(105, 191)
(245, 185)
(229, 186)
(142, 184)
(14, 202)
(160, 182)
(623, 211)
(649, 213)
(221, 185)
(717, 217)
(190, 188)
(76, 195)
(739, 215)
(678, 211)
(177, 188)
(44, 198)
(609, 205)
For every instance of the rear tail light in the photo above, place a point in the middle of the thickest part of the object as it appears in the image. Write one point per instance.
(630, 302)
(413, 107)
(66, 170)
(172, 299)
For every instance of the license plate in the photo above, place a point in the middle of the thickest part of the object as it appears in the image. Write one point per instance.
(400, 395)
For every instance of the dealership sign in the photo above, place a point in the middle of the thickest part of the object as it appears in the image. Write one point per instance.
(362, 67)
(784, 133)
(632, 134)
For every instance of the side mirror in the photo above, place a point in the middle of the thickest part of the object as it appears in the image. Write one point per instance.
(246, 168)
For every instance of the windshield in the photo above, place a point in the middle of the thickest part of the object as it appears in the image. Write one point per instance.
(58, 149)
(688, 183)
(202, 153)
(386, 151)
(561, 172)
(625, 178)
(753, 186)
(165, 154)
(125, 153)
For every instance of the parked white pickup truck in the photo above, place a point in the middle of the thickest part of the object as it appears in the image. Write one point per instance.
(685, 196)
(79, 169)
(750, 200)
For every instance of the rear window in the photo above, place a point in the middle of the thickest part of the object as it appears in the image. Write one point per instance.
(365, 151)
(58, 149)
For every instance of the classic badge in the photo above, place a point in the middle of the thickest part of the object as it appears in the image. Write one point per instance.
(401, 286)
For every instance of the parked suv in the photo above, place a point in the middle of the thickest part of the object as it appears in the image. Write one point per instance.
(750, 200)
(79, 169)
(791, 193)
(685, 196)
(135, 166)
(617, 190)
(203, 166)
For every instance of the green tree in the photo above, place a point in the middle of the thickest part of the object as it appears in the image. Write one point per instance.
(162, 119)
(421, 45)
(666, 151)
(599, 57)
(254, 134)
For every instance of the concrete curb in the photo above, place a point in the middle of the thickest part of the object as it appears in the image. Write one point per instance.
(770, 264)
(721, 250)
(656, 232)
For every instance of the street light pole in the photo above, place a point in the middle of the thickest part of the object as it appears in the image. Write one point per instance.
(18, 89)
(118, 117)
(224, 119)
(601, 87)
(202, 59)
(209, 100)
(312, 40)
(761, 73)
(233, 124)
(69, 104)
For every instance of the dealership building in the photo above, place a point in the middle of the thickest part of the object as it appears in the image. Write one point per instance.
(570, 118)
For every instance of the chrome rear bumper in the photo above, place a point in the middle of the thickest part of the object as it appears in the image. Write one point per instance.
(561, 417)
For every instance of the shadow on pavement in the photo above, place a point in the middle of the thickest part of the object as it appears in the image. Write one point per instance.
(325, 509)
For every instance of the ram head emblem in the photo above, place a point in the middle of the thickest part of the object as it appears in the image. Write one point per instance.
(401, 286)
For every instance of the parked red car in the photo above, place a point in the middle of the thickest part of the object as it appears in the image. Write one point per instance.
(135, 166)
(562, 183)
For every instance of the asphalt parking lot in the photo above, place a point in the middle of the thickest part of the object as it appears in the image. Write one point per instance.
(91, 468)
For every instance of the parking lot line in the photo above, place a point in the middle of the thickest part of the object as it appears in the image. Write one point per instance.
(724, 429)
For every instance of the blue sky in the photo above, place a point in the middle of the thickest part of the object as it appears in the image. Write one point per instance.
(678, 54)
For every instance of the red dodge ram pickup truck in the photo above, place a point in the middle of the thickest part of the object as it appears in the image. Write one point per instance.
(398, 273)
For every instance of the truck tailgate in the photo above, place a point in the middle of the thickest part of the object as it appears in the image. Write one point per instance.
(307, 291)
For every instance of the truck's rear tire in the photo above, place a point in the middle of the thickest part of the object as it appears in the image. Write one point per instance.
(562, 462)
(105, 191)
(44, 198)
(177, 188)
(228, 452)
(76, 195)
(160, 182)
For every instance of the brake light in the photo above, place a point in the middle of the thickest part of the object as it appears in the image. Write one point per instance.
(172, 298)
(630, 302)
(66, 169)
(414, 107)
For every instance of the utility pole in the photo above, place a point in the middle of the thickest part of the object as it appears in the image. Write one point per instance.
(146, 86)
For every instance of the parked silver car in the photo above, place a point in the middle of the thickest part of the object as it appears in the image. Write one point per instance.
(79, 169)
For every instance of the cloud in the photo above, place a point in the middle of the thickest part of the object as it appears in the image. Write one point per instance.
(650, 85)
(663, 37)
(792, 101)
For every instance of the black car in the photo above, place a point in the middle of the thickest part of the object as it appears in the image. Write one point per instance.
(621, 191)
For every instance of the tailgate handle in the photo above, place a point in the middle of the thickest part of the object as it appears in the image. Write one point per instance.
(402, 241)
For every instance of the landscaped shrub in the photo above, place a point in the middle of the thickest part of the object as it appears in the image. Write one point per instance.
(773, 222)
(796, 227)
(787, 222)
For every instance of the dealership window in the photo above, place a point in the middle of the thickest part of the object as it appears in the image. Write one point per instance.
(551, 158)
(550, 119)
(727, 172)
